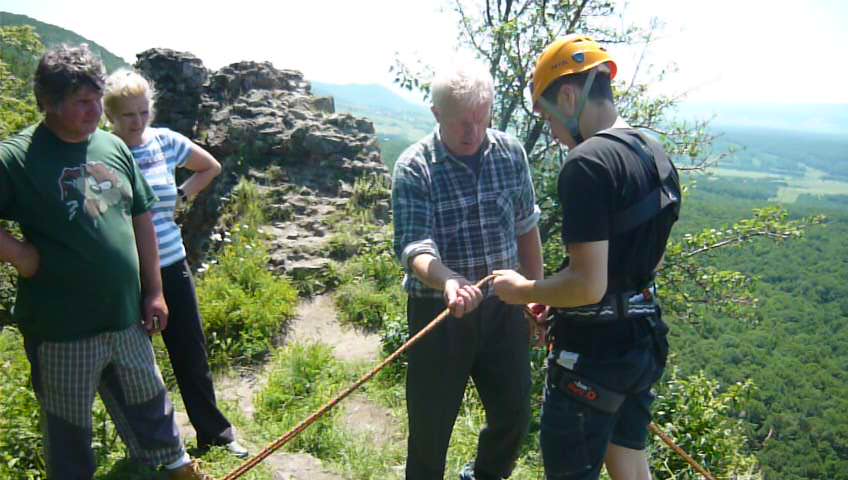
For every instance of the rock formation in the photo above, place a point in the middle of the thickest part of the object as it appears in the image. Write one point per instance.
(263, 123)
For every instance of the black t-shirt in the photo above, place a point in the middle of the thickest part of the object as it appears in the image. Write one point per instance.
(473, 161)
(600, 178)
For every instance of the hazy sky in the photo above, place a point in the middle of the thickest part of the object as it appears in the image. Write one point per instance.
(726, 50)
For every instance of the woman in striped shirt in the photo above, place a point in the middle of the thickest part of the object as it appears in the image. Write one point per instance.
(128, 102)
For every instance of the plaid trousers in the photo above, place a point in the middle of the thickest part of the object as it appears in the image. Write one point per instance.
(120, 366)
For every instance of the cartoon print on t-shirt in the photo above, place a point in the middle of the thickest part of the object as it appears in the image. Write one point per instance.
(95, 185)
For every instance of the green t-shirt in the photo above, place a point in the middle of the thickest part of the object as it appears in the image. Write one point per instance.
(75, 202)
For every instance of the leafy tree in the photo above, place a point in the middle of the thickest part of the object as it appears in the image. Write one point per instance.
(20, 49)
(509, 35)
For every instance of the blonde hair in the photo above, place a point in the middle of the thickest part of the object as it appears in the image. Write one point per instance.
(466, 83)
(123, 84)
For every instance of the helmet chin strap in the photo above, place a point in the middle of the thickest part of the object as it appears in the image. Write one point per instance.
(572, 123)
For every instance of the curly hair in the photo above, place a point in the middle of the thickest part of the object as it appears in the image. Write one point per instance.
(63, 70)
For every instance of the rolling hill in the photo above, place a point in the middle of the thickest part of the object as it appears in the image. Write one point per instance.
(52, 35)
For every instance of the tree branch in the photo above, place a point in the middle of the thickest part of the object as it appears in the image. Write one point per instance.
(576, 17)
(739, 239)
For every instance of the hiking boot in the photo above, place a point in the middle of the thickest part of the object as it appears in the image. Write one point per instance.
(189, 471)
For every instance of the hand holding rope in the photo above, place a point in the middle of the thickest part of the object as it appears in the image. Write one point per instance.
(291, 434)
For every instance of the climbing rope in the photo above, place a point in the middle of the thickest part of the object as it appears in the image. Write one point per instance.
(280, 442)
(276, 445)
(685, 456)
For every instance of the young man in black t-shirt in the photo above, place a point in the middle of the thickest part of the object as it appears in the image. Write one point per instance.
(620, 197)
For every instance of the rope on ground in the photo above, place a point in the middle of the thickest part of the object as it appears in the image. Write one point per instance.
(685, 456)
(280, 442)
(276, 445)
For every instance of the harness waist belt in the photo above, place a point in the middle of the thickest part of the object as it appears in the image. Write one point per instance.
(585, 391)
(613, 306)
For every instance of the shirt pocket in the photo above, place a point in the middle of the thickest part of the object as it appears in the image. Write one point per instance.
(451, 213)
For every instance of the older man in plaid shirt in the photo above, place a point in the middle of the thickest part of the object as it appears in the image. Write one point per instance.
(464, 206)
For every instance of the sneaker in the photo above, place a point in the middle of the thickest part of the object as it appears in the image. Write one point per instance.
(189, 471)
(236, 449)
(467, 472)
(233, 448)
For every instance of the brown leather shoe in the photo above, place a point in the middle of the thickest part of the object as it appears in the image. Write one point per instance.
(189, 471)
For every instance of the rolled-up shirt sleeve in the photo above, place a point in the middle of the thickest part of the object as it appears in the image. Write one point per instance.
(527, 212)
(413, 212)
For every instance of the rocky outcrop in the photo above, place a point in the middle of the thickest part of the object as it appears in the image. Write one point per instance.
(178, 78)
(264, 123)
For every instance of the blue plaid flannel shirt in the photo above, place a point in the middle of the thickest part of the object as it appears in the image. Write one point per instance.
(471, 224)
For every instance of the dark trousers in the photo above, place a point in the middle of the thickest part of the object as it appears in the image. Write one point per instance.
(186, 346)
(491, 346)
(120, 367)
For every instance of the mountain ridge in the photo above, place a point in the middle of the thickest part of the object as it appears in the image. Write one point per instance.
(52, 35)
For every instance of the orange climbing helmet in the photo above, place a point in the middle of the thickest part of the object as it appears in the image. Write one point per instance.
(568, 56)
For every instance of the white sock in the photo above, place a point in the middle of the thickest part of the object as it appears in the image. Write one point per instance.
(182, 461)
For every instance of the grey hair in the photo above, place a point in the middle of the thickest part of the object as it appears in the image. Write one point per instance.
(467, 84)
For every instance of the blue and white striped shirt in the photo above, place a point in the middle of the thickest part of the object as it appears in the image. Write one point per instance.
(471, 223)
(158, 159)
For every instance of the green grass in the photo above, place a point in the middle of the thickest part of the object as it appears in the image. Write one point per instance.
(20, 436)
(244, 306)
(302, 379)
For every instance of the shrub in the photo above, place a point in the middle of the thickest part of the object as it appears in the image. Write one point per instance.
(21, 454)
(368, 190)
(366, 306)
(704, 422)
(393, 335)
(343, 245)
(371, 290)
(244, 306)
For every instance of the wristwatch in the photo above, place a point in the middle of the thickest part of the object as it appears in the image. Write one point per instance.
(182, 194)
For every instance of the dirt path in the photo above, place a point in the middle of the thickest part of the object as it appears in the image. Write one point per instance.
(316, 321)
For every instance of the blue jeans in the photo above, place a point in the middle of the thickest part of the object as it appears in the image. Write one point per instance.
(574, 436)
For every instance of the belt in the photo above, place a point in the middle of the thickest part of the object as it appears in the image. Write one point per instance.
(614, 306)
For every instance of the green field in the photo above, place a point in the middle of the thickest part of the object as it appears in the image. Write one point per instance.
(814, 182)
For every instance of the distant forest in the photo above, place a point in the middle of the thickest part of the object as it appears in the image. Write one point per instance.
(796, 351)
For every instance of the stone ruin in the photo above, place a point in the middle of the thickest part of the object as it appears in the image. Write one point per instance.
(265, 124)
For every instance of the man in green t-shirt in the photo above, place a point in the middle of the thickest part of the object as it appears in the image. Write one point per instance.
(89, 290)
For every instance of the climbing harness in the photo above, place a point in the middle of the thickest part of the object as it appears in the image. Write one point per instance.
(303, 425)
(667, 193)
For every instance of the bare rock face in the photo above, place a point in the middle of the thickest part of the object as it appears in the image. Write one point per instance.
(263, 123)
(178, 78)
